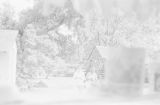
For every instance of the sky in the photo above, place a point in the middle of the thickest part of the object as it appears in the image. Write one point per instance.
(81, 6)
(18, 5)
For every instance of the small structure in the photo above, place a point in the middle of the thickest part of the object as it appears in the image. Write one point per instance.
(8, 52)
(123, 69)
(155, 76)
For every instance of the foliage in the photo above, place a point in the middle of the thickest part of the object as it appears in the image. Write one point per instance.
(65, 37)
(6, 17)
(42, 41)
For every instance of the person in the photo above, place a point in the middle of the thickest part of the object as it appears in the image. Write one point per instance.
(79, 77)
(91, 77)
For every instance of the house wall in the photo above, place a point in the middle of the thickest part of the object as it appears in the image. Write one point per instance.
(124, 69)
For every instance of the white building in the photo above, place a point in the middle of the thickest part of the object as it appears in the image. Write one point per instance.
(8, 52)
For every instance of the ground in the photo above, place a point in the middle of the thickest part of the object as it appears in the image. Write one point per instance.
(63, 91)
